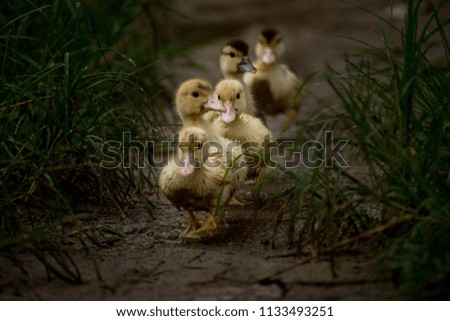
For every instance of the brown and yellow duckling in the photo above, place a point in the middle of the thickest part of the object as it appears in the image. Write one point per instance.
(274, 86)
(234, 64)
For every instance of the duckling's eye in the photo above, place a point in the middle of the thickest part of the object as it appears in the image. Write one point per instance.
(218, 97)
(195, 94)
(238, 96)
(232, 54)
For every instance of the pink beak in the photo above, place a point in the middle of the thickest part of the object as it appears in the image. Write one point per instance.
(268, 56)
(214, 104)
(187, 169)
(230, 113)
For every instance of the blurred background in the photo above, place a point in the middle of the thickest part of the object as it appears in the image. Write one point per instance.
(316, 34)
(76, 75)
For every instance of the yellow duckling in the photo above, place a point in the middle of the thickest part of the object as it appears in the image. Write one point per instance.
(234, 63)
(235, 124)
(199, 179)
(193, 100)
(274, 85)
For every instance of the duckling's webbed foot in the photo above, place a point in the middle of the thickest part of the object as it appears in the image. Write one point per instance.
(194, 225)
(212, 225)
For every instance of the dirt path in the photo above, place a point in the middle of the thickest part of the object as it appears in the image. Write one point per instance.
(151, 262)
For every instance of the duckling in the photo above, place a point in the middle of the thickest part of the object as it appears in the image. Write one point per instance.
(235, 124)
(234, 63)
(193, 100)
(274, 85)
(199, 179)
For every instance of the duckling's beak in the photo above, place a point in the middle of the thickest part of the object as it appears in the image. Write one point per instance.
(268, 56)
(188, 168)
(214, 104)
(246, 65)
(230, 113)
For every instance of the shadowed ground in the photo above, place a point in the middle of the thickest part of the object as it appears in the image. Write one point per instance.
(251, 260)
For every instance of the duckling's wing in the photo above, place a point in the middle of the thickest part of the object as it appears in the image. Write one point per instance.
(293, 81)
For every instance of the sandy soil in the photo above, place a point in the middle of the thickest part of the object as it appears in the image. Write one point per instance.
(250, 261)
